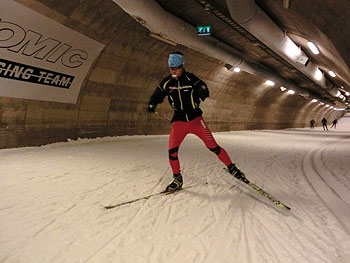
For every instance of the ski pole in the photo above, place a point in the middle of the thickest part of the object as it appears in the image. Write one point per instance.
(162, 116)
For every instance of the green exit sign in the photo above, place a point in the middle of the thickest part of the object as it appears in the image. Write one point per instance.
(204, 30)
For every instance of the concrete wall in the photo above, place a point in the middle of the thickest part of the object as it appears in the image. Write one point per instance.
(115, 93)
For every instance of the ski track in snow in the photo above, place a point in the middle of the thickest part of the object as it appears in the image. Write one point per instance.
(51, 200)
(326, 185)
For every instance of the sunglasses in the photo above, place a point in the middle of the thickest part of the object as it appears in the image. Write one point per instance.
(175, 68)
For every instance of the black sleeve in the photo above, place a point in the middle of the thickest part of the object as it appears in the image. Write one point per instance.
(157, 96)
(201, 88)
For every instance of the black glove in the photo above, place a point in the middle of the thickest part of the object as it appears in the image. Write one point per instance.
(151, 109)
(203, 92)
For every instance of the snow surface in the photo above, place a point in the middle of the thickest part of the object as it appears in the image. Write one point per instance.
(51, 200)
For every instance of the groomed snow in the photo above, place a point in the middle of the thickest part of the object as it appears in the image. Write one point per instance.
(51, 200)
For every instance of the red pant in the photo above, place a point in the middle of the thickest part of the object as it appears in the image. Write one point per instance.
(198, 127)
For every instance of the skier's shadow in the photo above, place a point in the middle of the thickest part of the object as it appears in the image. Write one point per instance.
(241, 188)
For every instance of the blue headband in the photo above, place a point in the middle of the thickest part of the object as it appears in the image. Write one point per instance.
(176, 60)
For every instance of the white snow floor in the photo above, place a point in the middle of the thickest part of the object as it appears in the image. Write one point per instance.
(51, 200)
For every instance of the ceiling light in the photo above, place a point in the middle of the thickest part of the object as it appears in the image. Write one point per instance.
(332, 73)
(291, 49)
(314, 100)
(283, 88)
(269, 83)
(313, 48)
(347, 93)
(327, 105)
(318, 74)
(291, 91)
(237, 70)
(322, 103)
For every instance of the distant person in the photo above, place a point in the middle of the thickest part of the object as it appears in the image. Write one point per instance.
(185, 91)
(312, 123)
(334, 124)
(324, 124)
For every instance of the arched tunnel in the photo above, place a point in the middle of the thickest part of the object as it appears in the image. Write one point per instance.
(84, 163)
(86, 69)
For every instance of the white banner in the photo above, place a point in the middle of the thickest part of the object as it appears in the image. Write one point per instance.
(41, 59)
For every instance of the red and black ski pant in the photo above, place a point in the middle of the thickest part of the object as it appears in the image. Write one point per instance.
(198, 127)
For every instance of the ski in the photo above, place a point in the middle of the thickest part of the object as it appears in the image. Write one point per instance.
(263, 193)
(146, 197)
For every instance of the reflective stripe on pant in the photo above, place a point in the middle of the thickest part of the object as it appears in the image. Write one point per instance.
(198, 127)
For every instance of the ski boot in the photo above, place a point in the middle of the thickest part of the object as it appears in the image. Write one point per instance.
(237, 173)
(175, 185)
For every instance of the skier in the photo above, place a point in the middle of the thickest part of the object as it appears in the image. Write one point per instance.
(312, 123)
(324, 124)
(334, 124)
(185, 91)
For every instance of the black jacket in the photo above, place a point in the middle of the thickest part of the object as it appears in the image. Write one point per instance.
(184, 95)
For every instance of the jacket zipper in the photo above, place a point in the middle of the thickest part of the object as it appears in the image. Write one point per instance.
(179, 91)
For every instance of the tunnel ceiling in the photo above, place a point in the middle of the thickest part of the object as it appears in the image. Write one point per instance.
(323, 22)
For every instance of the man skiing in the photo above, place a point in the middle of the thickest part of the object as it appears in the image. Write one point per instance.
(334, 124)
(185, 91)
(324, 124)
(312, 124)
